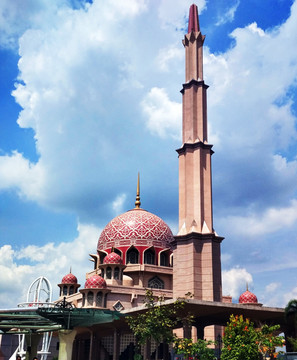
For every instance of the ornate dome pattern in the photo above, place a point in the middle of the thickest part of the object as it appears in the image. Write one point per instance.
(69, 279)
(135, 227)
(248, 298)
(95, 282)
(113, 258)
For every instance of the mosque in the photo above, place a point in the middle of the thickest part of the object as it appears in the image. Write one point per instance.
(137, 250)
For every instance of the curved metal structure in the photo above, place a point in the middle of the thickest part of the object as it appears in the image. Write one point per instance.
(38, 295)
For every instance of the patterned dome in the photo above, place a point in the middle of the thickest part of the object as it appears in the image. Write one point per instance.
(135, 227)
(112, 258)
(248, 298)
(69, 279)
(95, 282)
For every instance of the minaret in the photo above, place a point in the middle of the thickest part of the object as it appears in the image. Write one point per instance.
(197, 258)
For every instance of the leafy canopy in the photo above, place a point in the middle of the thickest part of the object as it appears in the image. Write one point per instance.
(242, 341)
(159, 320)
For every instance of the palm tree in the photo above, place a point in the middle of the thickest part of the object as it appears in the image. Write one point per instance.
(291, 320)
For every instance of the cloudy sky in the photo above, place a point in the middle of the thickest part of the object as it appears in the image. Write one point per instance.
(90, 96)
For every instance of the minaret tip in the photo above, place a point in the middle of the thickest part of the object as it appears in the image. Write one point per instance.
(137, 202)
(193, 19)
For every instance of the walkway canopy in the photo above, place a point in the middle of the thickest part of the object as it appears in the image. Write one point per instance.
(39, 320)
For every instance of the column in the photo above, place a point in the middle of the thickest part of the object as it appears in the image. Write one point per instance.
(66, 338)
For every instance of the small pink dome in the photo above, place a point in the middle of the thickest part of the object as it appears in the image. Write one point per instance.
(95, 282)
(136, 227)
(112, 258)
(248, 298)
(69, 279)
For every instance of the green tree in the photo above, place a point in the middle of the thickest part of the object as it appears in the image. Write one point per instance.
(291, 320)
(240, 340)
(158, 321)
(267, 341)
(194, 350)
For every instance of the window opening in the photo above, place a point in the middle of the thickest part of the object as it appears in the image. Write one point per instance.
(132, 256)
(156, 283)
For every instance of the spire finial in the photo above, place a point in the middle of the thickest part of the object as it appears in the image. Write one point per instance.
(70, 270)
(137, 202)
(247, 286)
(193, 24)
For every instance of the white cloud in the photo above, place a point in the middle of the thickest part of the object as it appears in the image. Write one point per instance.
(228, 15)
(235, 281)
(18, 16)
(171, 12)
(272, 287)
(17, 172)
(51, 261)
(290, 296)
(118, 204)
(163, 115)
(272, 220)
(168, 56)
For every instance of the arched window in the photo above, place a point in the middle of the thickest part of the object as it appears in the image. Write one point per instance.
(102, 273)
(108, 273)
(71, 290)
(164, 259)
(105, 300)
(132, 256)
(90, 298)
(99, 298)
(83, 300)
(117, 273)
(156, 283)
(65, 290)
(149, 257)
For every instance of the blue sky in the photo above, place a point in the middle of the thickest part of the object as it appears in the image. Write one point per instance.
(90, 96)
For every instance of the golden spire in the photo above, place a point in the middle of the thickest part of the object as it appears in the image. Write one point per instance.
(137, 202)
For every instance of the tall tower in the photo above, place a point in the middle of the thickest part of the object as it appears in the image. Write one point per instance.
(197, 256)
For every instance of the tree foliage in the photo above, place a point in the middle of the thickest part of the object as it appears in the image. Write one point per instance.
(242, 341)
(291, 320)
(158, 321)
(194, 350)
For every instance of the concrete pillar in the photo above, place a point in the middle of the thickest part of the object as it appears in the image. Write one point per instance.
(32, 341)
(147, 350)
(200, 331)
(116, 344)
(91, 346)
(66, 338)
(187, 330)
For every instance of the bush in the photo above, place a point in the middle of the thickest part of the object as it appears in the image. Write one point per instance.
(194, 350)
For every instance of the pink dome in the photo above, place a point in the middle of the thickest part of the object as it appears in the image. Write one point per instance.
(135, 227)
(95, 282)
(112, 258)
(69, 279)
(248, 298)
